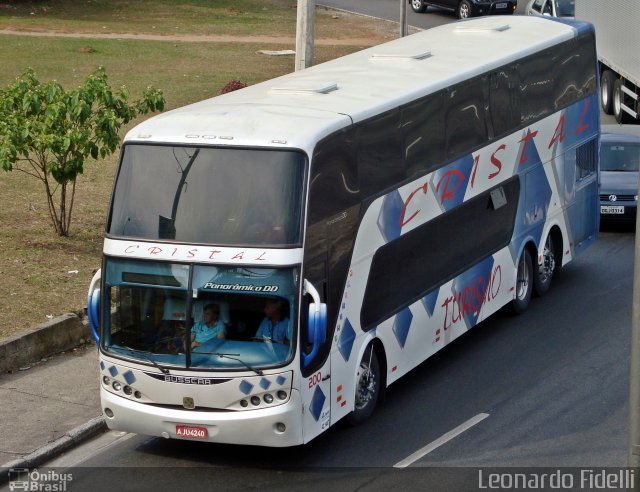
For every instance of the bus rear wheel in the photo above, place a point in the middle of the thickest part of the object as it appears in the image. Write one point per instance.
(547, 270)
(524, 283)
(367, 387)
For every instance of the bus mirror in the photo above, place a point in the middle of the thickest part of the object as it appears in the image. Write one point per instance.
(93, 306)
(316, 330)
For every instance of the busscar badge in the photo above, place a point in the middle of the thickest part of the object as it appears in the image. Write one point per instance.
(188, 403)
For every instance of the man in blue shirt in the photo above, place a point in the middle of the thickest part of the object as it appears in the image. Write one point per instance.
(209, 328)
(275, 327)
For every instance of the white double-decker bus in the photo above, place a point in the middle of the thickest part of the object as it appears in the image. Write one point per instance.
(334, 227)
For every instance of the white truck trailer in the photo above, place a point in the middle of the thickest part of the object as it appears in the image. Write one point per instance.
(618, 45)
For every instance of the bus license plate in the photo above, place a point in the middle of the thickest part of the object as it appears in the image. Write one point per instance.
(191, 431)
(501, 5)
(610, 209)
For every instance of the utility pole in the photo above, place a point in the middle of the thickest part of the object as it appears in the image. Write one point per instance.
(403, 18)
(304, 33)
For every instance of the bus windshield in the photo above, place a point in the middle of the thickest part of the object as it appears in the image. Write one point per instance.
(208, 195)
(231, 318)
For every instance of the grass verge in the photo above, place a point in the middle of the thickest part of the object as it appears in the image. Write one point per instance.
(45, 275)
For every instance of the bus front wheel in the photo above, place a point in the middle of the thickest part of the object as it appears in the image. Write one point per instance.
(367, 387)
(524, 283)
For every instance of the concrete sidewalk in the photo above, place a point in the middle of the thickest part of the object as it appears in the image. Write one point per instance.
(48, 407)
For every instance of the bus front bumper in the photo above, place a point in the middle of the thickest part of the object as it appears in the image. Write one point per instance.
(262, 427)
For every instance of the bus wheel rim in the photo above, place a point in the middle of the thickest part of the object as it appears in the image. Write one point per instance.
(523, 278)
(366, 386)
(548, 260)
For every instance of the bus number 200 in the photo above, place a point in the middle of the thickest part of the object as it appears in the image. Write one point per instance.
(315, 379)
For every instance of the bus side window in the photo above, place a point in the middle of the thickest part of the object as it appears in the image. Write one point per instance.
(569, 74)
(503, 101)
(334, 178)
(536, 86)
(465, 123)
(423, 135)
(380, 153)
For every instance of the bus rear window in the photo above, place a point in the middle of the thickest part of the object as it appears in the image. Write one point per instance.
(208, 195)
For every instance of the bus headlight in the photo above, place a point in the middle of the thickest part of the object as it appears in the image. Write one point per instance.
(116, 386)
(268, 398)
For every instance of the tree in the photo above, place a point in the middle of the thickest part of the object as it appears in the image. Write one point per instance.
(47, 132)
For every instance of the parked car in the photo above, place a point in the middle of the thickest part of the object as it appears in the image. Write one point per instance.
(468, 8)
(554, 8)
(619, 162)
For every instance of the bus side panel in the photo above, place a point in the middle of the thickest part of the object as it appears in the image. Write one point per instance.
(412, 333)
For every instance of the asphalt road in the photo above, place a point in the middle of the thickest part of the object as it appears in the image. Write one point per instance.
(548, 388)
(390, 10)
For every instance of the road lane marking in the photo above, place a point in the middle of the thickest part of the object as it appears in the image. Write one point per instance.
(445, 438)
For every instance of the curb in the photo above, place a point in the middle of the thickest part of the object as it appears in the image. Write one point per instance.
(57, 335)
(71, 439)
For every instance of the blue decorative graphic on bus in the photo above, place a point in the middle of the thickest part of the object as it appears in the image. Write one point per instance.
(347, 337)
(113, 371)
(265, 383)
(246, 387)
(102, 366)
(401, 325)
(280, 380)
(450, 182)
(429, 301)
(129, 377)
(317, 403)
(388, 222)
(538, 193)
(470, 291)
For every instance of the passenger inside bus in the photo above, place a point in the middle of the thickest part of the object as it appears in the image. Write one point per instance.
(275, 326)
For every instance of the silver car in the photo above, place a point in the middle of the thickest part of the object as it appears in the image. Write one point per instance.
(619, 162)
(553, 8)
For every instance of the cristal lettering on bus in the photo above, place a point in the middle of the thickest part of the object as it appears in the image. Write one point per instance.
(472, 297)
(453, 179)
(212, 254)
(450, 182)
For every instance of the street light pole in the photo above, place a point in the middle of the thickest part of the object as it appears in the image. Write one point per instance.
(304, 33)
(403, 18)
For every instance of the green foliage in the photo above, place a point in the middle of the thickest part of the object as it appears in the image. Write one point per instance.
(48, 132)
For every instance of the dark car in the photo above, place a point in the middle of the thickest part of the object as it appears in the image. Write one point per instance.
(619, 161)
(468, 8)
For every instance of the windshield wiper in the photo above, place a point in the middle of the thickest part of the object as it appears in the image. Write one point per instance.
(232, 357)
(164, 370)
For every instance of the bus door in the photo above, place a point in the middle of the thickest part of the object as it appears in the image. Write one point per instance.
(315, 364)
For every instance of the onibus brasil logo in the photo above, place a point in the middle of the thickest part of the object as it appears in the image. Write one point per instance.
(35, 480)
